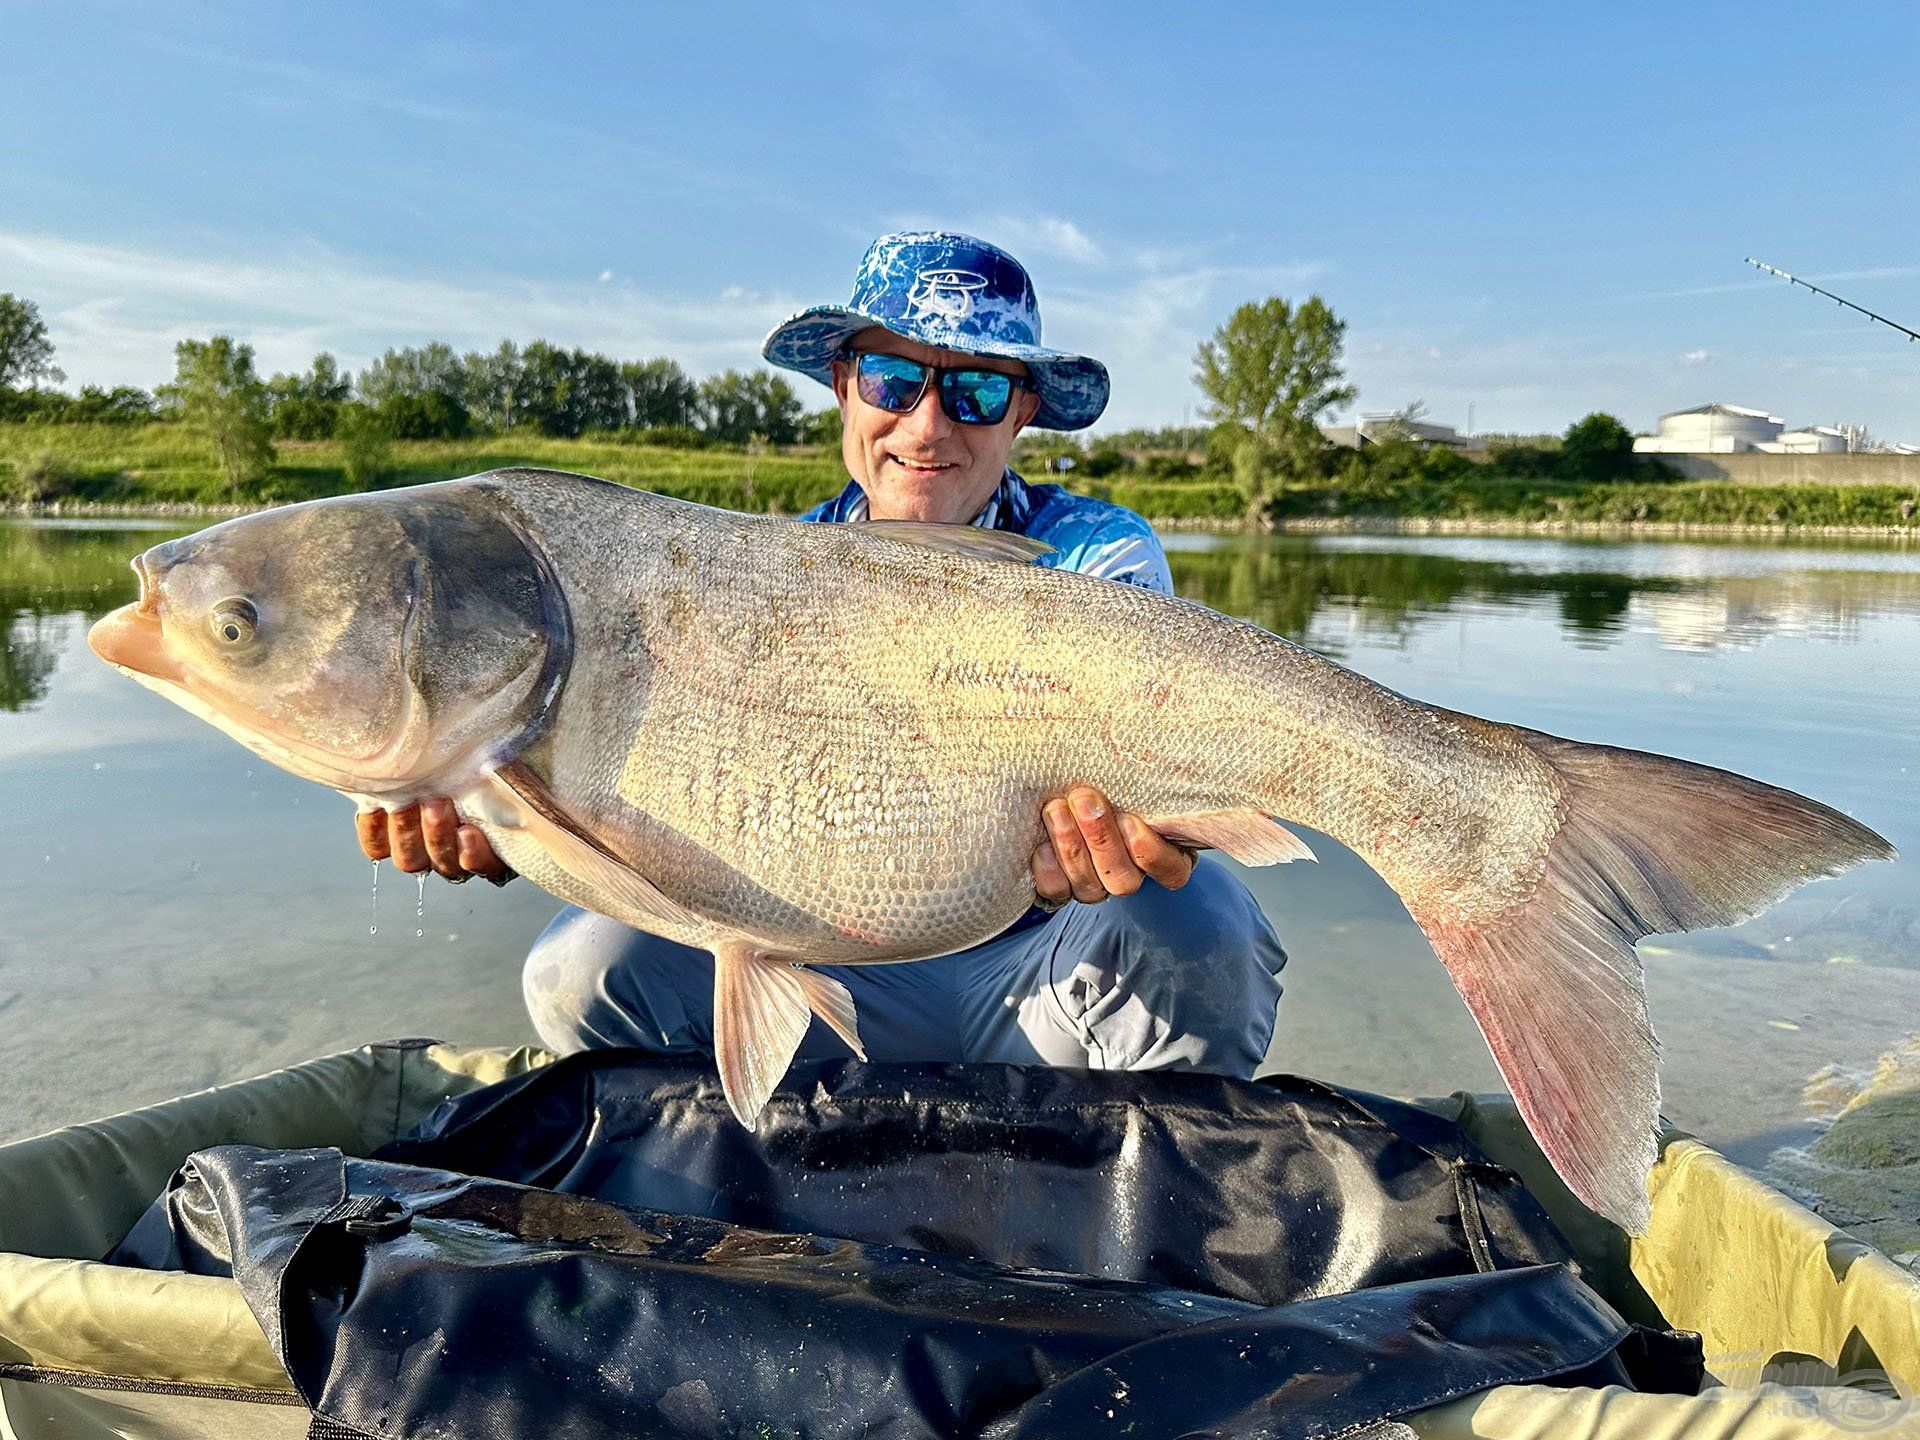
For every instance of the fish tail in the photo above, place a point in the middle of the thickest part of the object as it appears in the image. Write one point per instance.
(1647, 845)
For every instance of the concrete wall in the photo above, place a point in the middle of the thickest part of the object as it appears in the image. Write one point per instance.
(1756, 468)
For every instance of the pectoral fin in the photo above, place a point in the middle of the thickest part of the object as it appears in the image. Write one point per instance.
(761, 1007)
(575, 849)
(1248, 836)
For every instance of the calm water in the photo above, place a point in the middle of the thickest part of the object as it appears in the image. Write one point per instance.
(174, 912)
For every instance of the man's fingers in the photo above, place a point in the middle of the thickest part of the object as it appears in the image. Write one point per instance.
(407, 844)
(1099, 828)
(477, 855)
(440, 828)
(1165, 861)
(1050, 882)
(1070, 850)
(372, 828)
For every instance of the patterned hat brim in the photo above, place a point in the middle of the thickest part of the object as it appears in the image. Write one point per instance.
(1073, 389)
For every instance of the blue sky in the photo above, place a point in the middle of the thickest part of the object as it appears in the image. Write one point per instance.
(1537, 209)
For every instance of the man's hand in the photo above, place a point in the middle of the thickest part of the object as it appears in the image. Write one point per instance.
(430, 835)
(1091, 852)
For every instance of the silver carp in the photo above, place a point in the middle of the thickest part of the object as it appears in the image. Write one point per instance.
(791, 744)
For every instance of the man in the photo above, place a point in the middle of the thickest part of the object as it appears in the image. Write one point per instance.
(937, 367)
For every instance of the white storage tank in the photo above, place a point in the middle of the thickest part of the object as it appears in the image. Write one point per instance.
(1711, 430)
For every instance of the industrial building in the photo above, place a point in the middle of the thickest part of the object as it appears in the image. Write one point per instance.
(1373, 426)
(1714, 429)
(1718, 429)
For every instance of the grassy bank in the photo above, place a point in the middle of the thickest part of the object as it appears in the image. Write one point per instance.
(159, 465)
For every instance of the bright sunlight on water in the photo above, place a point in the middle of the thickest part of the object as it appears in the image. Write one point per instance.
(176, 913)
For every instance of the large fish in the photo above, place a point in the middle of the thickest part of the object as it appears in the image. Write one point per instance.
(792, 743)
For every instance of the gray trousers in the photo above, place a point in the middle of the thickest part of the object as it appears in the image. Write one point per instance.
(1162, 979)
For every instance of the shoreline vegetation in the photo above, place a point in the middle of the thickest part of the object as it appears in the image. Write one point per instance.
(218, 439)
(161, 468)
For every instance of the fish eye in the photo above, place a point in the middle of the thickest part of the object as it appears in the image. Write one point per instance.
(234, 621)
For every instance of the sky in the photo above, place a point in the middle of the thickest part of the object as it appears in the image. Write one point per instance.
(1523, 212)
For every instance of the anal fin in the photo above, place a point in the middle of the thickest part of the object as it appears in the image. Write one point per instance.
(761, 1008)
(1249, 836)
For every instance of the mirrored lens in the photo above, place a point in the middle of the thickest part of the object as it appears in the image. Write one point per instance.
(976, 397)
(891, 383)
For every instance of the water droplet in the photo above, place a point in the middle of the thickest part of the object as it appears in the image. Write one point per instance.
(420, 907)
(374, 928)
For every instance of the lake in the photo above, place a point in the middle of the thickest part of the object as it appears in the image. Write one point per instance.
(175, 913)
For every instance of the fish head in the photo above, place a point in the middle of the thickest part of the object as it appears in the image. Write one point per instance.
(385, 645)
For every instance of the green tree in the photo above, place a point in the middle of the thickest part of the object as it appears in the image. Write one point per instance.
(569, 392)
(739, 405)
(1598, 448)
(26, 354)
(366, 445)
(824, 427)
(433, 416)
(304, 407)
(495, 387)
(659, 393)
(423, 370)
(217, 394)
(1273, 370)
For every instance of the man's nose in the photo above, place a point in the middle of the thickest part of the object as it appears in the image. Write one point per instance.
(927, 422)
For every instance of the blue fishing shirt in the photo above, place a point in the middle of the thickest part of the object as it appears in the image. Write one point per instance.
(1093, 537)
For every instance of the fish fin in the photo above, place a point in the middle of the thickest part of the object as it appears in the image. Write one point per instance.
(579, 852)
(1647, 845)
(1249, 836)
(761, 1008)
(959, 539)
(833, 1003)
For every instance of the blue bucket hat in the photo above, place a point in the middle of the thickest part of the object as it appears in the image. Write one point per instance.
(954, 292)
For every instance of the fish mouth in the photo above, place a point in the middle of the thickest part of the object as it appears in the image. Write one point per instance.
(149, 602)
(131, 638)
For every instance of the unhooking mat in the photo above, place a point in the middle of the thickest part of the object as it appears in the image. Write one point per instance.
(599, 1249)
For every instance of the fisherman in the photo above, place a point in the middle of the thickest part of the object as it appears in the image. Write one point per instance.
(1136, 954)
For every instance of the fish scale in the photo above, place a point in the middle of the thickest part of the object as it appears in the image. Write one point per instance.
(792, 743)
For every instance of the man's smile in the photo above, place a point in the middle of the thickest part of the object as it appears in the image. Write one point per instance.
(920, 467)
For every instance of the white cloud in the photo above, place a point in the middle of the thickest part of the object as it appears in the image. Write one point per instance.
(1028, 238)
(115, 313)
(1696, 357)
(606, 277)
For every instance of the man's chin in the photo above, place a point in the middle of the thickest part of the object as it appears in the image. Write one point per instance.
(901, 493)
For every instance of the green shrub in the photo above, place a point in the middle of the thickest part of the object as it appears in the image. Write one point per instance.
(1163, 466)
(1101, 461)
(366, 445)
(674, 437)
(37, 480)
(434, 415)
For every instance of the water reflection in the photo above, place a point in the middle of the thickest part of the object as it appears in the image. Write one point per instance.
(1286, 583)
(49, 573)
(1381, 586)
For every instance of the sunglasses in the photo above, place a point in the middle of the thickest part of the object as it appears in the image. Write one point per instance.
(970, 397)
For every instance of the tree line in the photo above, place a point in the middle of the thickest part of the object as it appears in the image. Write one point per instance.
(426, 392)
(1269, 375)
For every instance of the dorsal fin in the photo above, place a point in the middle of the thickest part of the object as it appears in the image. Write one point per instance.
(959, 539)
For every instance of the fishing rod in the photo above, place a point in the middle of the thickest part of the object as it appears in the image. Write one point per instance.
(1911, 335)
